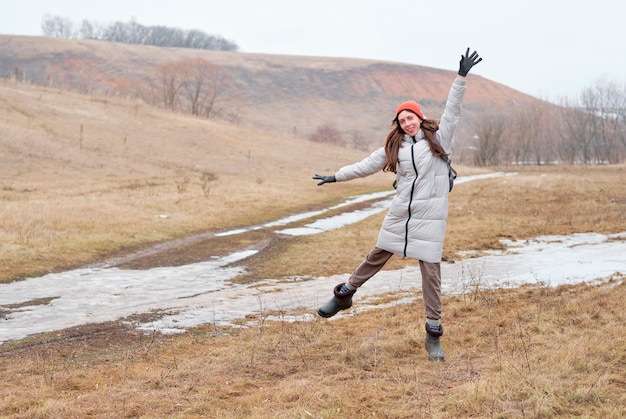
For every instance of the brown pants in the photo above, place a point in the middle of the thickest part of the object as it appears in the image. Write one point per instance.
(431, 279)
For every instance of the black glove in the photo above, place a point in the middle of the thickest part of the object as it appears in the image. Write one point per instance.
(467, 62)
(325, 179)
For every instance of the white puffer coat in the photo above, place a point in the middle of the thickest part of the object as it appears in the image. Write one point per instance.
(415, 224)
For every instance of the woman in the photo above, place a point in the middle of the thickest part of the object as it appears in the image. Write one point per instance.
(415, 225)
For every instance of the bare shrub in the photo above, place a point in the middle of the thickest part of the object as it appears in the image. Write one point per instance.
(327, 133)
(206, 178)
(183, 185)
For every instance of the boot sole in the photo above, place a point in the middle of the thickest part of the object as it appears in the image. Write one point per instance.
(325, 315)
(328, 315)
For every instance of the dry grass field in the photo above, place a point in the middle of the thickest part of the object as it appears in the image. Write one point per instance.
(84, 178)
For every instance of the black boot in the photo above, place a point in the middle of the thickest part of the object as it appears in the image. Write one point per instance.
(433, 345)
(340, 301)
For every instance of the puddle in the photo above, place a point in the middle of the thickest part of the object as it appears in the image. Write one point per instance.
(202, 293)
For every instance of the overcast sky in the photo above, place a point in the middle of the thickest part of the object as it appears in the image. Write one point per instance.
(547, 48)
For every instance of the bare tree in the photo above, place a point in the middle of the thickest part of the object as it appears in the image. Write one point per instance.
(576, 135)
(606, 102)
(542, 135)
(57, 27)
(567, 147)
(521, 135)
(87, 30)
(205, 86)
(594, 130)
(490, 133)
(163, 36)
(168, 85)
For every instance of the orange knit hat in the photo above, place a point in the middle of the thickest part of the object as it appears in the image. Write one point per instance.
(410, 106)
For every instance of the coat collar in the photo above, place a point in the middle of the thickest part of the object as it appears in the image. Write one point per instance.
(412, 140)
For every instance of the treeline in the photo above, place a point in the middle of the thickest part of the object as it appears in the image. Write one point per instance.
(588, 130)
(134, 33)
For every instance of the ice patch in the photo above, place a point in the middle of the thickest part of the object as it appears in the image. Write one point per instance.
(203, 293)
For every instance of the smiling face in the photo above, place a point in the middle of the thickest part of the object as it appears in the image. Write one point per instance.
(409, 122)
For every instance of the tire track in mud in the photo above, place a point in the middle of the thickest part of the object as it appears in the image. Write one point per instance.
(204, 246)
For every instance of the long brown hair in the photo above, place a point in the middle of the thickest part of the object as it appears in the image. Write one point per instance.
(393, 142)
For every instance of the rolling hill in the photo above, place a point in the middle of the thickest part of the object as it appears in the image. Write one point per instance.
(272, 93)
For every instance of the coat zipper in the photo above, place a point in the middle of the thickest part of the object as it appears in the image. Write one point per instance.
(406, 227)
